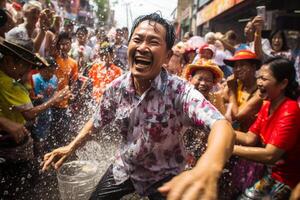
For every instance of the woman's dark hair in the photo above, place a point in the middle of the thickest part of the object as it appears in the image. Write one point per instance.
(82, 29)
(283, 68)
(155, 17)
(282, 35)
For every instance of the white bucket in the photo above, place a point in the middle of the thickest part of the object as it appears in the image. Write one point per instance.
(78, 179)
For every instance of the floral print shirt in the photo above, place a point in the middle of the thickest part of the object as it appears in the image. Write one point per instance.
(152, 126)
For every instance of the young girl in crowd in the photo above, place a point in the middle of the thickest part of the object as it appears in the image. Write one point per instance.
(274, 138)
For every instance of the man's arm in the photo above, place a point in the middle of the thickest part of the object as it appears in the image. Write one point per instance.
(58, 156)
(201, 181)
(58, 96)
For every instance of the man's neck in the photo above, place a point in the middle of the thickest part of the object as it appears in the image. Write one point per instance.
(141, 85)
(64, 55)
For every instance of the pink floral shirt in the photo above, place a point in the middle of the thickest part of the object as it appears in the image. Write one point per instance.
(152, 126)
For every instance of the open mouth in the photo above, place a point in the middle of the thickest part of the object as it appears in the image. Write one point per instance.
(262, 92)
(142, 62)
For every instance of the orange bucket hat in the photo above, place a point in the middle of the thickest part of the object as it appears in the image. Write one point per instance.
(204, 64)
(243, 55)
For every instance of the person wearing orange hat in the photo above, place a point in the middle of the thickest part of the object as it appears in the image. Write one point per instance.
(204, 74)
(244, 103)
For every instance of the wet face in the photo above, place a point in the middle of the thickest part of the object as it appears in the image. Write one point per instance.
(81, 37)
(206, 54)
(277, 42)
(147, 50)
(203, 80)
(106, 58)
(119, 35)
(16, 67)
(243, 69)
(269, 88)
(47, 73)
(64, 45)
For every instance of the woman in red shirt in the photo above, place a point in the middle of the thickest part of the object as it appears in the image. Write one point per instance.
(274, 138)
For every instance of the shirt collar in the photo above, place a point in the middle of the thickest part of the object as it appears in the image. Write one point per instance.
(160, 82)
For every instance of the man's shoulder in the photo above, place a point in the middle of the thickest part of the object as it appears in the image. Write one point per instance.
(120, 82)
(175, 82)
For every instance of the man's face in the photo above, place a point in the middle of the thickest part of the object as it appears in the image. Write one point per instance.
(81, 37)
(119, 36)
(243, 69)
(32, 15)
(147, 50)
(64, 45)
(16, 68)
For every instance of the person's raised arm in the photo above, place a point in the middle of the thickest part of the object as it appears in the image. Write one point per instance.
(258, 25)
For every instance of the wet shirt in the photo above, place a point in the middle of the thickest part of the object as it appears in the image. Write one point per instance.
(44, 87)
(67, 74)
(281, 129)
(152, 126)
(13, 97)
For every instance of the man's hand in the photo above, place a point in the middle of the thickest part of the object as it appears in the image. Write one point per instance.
(232, 83)
(61, 95)
(56, 158)
(198, 183)
(258, 23)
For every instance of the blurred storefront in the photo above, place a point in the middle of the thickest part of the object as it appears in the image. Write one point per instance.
(223, 15)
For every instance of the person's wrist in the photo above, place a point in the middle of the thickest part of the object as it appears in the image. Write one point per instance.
(208, 162)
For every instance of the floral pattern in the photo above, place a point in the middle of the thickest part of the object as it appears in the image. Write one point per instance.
(152, 126)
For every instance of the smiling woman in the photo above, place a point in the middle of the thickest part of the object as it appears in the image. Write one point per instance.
(277, 129)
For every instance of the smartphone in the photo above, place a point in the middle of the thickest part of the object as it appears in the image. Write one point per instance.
(261, 11)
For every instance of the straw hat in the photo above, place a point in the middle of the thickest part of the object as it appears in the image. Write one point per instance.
(205, 65)
(7, 47)
(243, 55)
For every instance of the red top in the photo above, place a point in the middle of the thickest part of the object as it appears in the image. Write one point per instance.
(282, 129)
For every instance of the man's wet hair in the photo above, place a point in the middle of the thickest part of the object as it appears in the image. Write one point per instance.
(155, 17)
(63, 36)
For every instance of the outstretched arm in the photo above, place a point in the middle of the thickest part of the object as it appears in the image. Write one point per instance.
(202, 180)
(58, 156)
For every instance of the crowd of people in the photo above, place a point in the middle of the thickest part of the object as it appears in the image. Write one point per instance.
(186, 110)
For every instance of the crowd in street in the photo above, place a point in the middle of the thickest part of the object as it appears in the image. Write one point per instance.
(209, 116)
